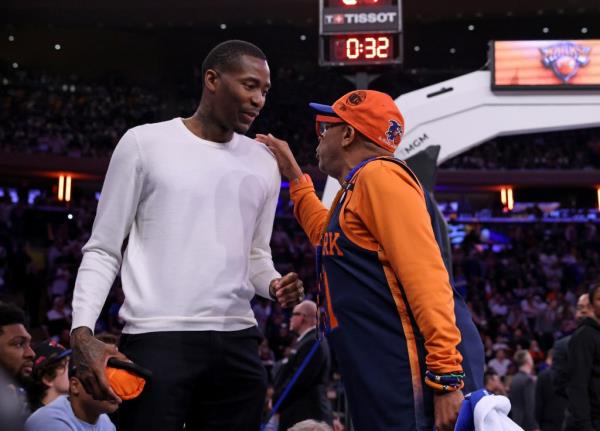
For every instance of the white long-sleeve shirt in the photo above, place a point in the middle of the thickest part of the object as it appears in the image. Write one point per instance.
(199, 217)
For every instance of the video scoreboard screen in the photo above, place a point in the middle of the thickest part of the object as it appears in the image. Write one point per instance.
(360, 32)
(545, 64)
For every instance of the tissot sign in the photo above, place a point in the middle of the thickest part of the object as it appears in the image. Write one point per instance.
(343, 20)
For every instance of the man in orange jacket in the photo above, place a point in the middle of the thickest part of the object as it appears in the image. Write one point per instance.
(389, 303)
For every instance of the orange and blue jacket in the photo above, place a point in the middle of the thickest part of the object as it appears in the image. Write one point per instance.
(382, 264)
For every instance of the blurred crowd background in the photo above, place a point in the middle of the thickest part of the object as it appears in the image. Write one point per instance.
(521, 270)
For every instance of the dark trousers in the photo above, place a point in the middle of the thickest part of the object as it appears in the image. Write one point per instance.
(208, 381)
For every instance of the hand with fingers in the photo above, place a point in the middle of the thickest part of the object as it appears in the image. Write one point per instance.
(90, 357)
(287, 290)
(446, 407)
(286, 161)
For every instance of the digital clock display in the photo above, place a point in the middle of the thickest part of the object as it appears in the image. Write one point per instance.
(362, 49)
(360, 32)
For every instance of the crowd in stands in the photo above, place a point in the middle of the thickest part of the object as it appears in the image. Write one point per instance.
(573, 149)
(65, 115)
(522, 295)
(68, 117)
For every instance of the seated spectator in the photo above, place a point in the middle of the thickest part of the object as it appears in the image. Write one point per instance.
(16, 356)
(500, 363)
(59, 316)
(493, 383)
(73, 412)
(50, 378)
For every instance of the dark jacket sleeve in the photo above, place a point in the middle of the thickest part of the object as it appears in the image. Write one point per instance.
(580, 372)
(529, 408)
(541, 388)
(560, 366)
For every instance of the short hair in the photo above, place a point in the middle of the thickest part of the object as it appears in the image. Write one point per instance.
(489, 375)
(310, 425)
(521, 357)
(38, 389)
(593, 288)
(10, 315)
(226, 55)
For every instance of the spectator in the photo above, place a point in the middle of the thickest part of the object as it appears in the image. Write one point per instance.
(16, 356)
(522, 393)
(74, 412)
(307, 398)
(500, 362)
(59, 316)
(549, 406)
(583, 383)
(493, 383)
(50, 377)
(561, 362)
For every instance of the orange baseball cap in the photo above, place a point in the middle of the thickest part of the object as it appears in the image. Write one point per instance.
(372, 113)
(126, 384)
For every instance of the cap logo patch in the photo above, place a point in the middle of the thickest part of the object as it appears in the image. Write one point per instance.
(394, 133)
(356, 98)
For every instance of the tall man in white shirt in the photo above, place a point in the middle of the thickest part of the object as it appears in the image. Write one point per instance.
(196, 200)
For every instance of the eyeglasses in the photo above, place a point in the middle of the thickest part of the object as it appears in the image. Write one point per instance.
(297, 313)
(322, 127)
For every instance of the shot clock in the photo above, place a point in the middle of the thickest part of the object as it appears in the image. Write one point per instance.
(360, 32)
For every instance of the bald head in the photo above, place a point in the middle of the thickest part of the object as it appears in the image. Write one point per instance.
(304, 316)
(583, 308)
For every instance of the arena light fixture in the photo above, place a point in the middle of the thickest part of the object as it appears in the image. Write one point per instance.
(598, 196)
(61, 188)
(68, 189)
(64, 188)
(510, 199)
(503, 195)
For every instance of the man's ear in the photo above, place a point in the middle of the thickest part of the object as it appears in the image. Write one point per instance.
(210, 79)
(74, 386)
(348, 136)
(47, 381)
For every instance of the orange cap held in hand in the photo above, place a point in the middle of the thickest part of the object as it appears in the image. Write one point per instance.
(125, 384)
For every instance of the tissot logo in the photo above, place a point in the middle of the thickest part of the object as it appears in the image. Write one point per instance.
(361, 18)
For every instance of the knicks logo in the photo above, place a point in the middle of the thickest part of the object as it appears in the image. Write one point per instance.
(394, 133)
(356, 98)
(330, 246)
(565, 59)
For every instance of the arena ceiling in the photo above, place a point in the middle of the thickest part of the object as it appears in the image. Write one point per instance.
(178, 13)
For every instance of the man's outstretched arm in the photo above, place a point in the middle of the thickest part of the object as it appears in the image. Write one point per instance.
(308, 209)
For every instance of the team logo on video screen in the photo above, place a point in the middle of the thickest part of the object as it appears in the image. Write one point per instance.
(565, 59)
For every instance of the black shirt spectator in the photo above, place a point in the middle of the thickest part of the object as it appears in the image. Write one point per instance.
(583, 387)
